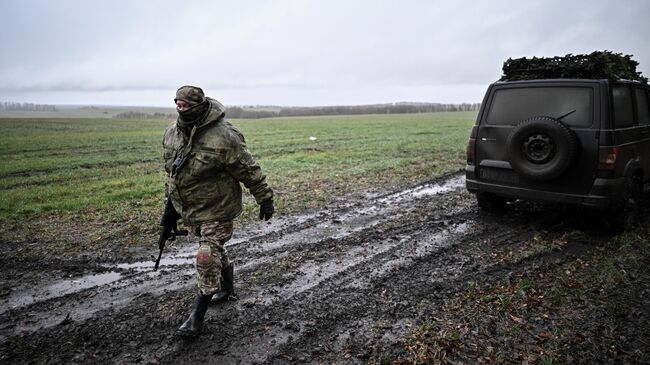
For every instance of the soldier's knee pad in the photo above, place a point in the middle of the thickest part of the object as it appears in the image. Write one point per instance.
(205, 258)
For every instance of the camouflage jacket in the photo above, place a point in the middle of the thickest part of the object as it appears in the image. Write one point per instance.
(207, 187)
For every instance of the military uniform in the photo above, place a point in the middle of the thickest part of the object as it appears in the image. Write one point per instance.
(207, 187)
(206, 161)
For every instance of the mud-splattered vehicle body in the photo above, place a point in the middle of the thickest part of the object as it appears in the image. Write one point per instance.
(572, 141)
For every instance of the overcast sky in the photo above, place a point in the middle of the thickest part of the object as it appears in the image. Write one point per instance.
(294, 52)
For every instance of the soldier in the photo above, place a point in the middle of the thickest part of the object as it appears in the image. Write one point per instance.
(206, 159)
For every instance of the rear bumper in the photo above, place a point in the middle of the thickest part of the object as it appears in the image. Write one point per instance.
(604, 193)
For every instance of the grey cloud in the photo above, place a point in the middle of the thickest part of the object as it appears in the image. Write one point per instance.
(293, 52)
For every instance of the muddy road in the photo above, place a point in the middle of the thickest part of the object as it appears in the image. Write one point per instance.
(349, 283)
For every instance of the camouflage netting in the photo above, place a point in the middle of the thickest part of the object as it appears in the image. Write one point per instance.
(597, 65)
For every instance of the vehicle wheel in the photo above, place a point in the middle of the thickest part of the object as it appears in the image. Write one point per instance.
(490, 203)
(541, 148)
(627, 216)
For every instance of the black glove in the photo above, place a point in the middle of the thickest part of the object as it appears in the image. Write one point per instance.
(266, 209)
(170, 215)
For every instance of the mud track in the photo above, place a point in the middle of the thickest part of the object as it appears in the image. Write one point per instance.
(338, 285)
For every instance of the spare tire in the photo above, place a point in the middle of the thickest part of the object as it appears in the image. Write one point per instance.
(541, 148)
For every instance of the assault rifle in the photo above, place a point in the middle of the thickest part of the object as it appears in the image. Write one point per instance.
(169, 229)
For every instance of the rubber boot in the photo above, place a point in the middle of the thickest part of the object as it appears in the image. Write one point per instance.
(227, 286)
(193, 325)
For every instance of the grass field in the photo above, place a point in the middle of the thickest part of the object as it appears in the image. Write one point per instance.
(106, 171)
(84, 111)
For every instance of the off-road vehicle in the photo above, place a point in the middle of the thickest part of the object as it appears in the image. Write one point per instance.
(573, 141)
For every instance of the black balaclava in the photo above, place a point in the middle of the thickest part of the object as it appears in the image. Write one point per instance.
(199, 106)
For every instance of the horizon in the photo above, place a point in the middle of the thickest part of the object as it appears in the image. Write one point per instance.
(237, 105)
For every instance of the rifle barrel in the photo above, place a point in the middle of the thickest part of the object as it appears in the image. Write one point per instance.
(164, 234)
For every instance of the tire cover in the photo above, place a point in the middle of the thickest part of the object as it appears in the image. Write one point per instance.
(541, 148)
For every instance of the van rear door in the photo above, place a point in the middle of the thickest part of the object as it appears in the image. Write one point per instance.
(574, 103)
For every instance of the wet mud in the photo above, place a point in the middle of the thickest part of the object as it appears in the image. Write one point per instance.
(344, 284)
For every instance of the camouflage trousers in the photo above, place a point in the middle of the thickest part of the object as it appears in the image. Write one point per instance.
(212, 255)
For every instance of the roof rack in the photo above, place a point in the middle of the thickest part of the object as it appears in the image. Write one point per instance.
(597, 65)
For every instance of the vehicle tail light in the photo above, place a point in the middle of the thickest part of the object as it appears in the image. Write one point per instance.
(471, 143)
(607, 158)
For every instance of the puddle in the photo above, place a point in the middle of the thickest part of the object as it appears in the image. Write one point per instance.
(112, 294)
(129, 272)
(26, 296)
(176, 260)
(427, 189)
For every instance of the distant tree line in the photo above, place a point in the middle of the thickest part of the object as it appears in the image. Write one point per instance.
(141, 115)
(256, 112)
(392, 108)
(9, 105)
(236, 112)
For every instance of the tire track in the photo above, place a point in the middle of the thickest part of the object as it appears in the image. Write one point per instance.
(30, 309)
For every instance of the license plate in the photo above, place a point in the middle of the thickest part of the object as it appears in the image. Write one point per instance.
(500, 175)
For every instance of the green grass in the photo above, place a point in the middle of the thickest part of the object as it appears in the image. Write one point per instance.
(76, 111)
(70, 165)
(107, 170)
(58, 165)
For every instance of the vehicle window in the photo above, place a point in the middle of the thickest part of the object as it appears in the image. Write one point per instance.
(623, 116)
(511, 106)
(642, 109)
